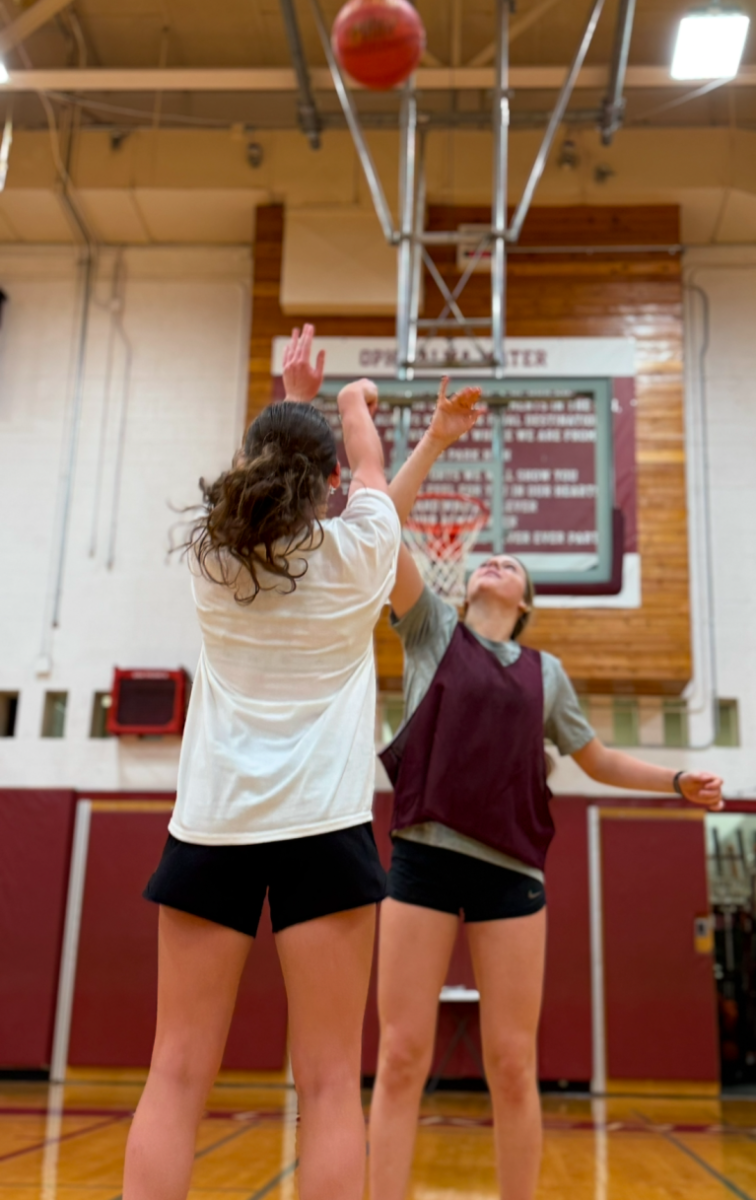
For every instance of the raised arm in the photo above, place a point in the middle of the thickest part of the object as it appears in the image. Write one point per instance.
(454, 417)
(622, 770)
(358, 403)
(302, 380)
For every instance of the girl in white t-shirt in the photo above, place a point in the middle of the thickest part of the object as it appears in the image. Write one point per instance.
(276, 783)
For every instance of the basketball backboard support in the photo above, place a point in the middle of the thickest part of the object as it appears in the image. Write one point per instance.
(413, 241)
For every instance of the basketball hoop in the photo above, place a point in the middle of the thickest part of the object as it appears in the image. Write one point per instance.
(441, 530)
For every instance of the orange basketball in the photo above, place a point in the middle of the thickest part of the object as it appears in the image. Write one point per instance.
(378, 42)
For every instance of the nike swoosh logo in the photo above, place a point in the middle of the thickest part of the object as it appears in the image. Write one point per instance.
(532, 895)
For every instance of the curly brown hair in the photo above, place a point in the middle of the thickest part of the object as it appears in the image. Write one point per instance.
(266, 507)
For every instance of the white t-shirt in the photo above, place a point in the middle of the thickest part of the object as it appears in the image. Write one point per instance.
(280, 734)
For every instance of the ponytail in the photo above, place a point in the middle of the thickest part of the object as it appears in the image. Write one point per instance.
(266, 507)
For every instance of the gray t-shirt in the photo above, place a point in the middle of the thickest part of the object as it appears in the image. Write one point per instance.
(426, 631)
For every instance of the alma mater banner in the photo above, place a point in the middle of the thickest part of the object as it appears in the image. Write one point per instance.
(526, 358)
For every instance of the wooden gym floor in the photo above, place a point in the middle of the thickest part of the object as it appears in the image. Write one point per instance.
(67, 1143)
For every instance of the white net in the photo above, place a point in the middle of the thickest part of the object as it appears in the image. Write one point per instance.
(441, 530)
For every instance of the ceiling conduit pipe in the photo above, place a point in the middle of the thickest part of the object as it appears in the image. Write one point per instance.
(88, 268)
(88, 272)
(117, 317)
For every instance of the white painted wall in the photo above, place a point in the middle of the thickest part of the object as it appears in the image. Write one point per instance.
(186, 314)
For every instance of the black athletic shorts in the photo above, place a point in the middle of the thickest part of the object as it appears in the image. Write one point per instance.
(448, 881)
(304, 878)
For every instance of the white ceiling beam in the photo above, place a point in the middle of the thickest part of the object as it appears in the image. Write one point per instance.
(275, 79)
(30, 20)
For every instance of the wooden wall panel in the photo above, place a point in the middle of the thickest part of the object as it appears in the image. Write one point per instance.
(609, 294)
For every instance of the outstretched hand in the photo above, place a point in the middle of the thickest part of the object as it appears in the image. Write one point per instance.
(701, 787)
(455, 415)
(301, 379)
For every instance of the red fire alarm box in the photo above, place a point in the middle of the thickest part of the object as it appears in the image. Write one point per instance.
(148, 703)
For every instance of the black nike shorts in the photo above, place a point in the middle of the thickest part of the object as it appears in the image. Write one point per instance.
(447, 881)
(304, 878)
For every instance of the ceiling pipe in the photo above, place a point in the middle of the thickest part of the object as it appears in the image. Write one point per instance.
(309, 117)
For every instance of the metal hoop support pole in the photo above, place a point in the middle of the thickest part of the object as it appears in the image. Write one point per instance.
(614, 103)
(417, 255)
(499, 201)
(407, 154)
(353, 121)
(560, 107)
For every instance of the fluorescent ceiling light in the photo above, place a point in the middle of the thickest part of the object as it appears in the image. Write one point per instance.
(4, 76)
(710, 44)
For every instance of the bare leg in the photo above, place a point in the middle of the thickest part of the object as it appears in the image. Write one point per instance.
(508, 957)
(414, 952)
(199, 966)
(326, 965)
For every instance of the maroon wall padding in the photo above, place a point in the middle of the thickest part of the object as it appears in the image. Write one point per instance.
(36, 830)
(116, 980)
(660, 994)
(564, 1043)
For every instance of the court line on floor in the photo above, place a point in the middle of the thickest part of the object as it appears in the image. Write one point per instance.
(117, 1083)
(41, 1110)
(66, 1137)
(210, 1114)
(428, 1121)
(274, 1182)
(732, 1187)
(230, 1137)
(743, 1130)
(65, 1188)
(701, 1162)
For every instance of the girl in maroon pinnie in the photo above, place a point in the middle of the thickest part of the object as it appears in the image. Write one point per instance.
(471, 830)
